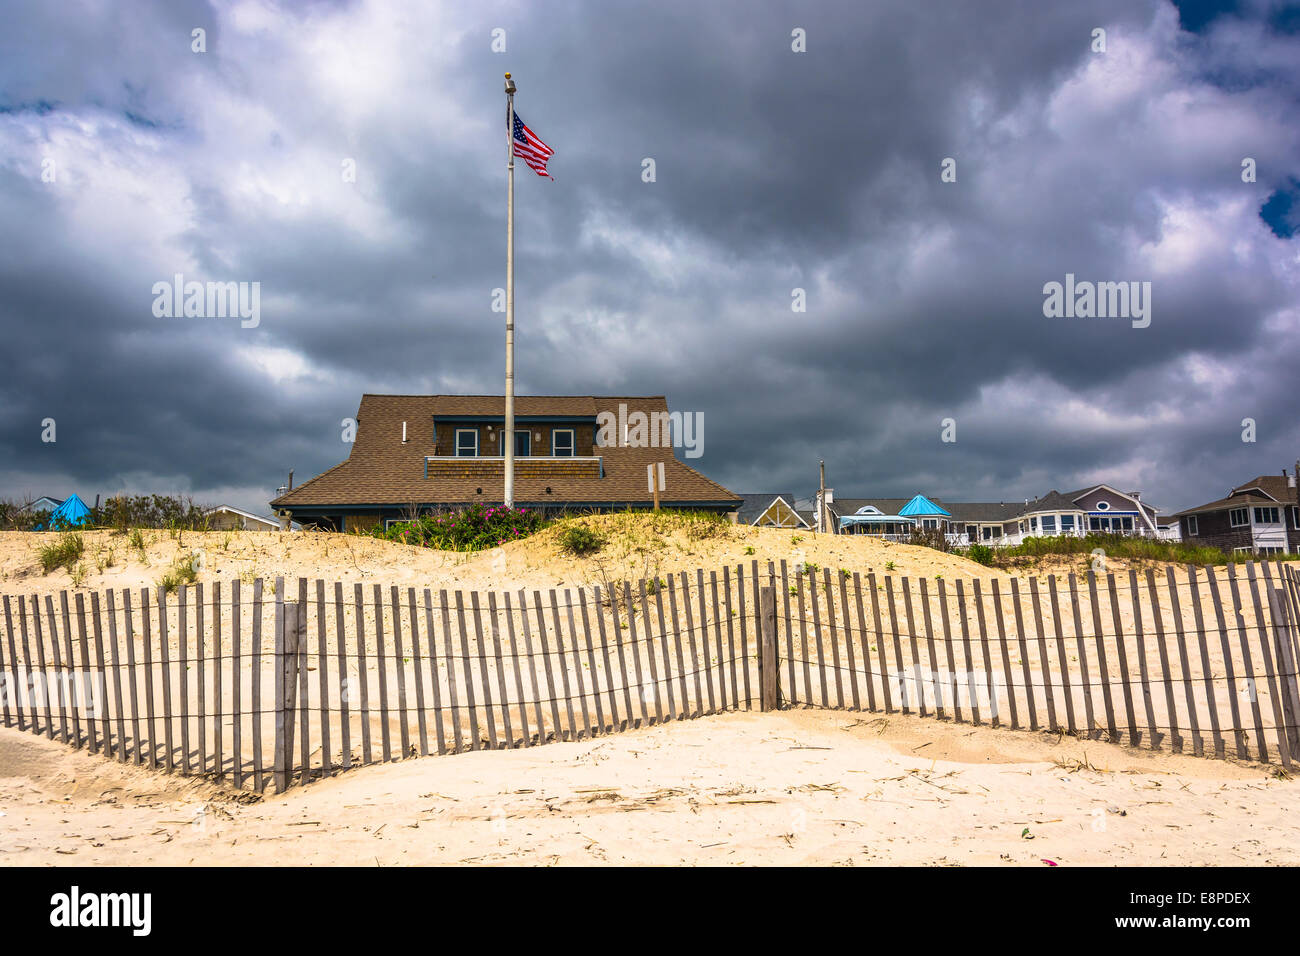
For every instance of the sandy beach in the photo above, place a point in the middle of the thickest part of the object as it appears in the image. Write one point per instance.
(793, 788)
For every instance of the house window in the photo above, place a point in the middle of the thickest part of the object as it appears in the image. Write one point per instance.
(988, 534)
(1022, 527)
(931, 524)
(1126, 524)
(1067, 522)
(1193, 529)
(1103, 506)
(1295, 517)
(466, 442)
(523, 443)
(1239, 517)
(1033, 524)
(562, 443)
(1265, 516)
(1271, 549)
(1049, 524)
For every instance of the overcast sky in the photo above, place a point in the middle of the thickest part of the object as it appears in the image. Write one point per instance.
(774, 170)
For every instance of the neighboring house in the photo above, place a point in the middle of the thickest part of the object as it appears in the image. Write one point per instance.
(228, 518)
(770, 511)
(44, 503)
(1261, 516)
(424, 453)
(1099, 509)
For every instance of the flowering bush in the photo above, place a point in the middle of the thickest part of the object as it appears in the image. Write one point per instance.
(474, 529)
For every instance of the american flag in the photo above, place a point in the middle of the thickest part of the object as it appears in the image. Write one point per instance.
(531, 149)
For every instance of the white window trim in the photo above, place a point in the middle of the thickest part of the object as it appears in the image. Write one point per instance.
(1243, 524)
(1295, 516)
(1193, 527)
(456, 445)
(573, 442)
(1258, 509)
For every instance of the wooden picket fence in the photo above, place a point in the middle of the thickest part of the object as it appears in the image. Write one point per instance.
(312, 678)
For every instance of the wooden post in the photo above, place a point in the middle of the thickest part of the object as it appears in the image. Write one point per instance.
(287, 636)
(768, 665)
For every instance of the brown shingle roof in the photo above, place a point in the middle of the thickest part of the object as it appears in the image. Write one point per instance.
(382, 470)
(1275, 486)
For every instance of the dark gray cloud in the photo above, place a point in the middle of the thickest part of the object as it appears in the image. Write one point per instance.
(775, 170)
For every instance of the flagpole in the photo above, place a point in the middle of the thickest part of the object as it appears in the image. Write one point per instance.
(508, 439)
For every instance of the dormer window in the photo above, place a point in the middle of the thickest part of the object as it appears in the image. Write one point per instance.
(562, 443)
(466, 442)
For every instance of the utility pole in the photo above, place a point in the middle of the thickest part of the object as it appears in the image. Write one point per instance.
(821, 500)
(508, 439)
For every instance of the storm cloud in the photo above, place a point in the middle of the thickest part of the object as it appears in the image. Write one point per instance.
(127, 158)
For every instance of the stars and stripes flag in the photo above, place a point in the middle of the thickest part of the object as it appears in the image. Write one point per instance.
(530, 148)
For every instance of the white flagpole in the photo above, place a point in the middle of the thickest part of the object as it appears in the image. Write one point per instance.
(508, 438)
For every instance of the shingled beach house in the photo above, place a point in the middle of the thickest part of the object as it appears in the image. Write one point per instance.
(416, 454)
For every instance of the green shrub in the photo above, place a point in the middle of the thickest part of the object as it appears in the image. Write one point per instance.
(474, 529)
(182, 572)
(63, 553)
(579, 540)
(982, 554)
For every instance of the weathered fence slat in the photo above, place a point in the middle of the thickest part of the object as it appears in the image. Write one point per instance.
(400, 659)
(475, 738)
(1207, 673)
(218, 739)
(183, 672)
(1085, 674)
(829, 597)
(236, 679)
(532, 663)
(486, 684)
(303, 685)
(950, 682)
(1044, 665)
(702, 638)
(649, 653)
(1238, 731)
(690, 641)
(256, 673)
(576, 648)
(1279, 720)
(381, 665)
(1175, 738)
(100, 690)
(322, 664)
(552, 688)
(634, 644)
(1066, 691)
(131, 679)
(1098, 630)
(202, 711)
(768, 663)
(849, 657)
(557, 728)
(602, 725)
(879, 635)
(1248, 664)
(936, 681)
(1154, 736)
(995, 715)
(1005, 654)
(9, 682)
(503, 690)
(731, 635)
(817, 639)
(968, 665)
(435, 683)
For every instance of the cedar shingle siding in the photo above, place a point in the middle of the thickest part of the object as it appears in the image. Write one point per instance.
(385, 478)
